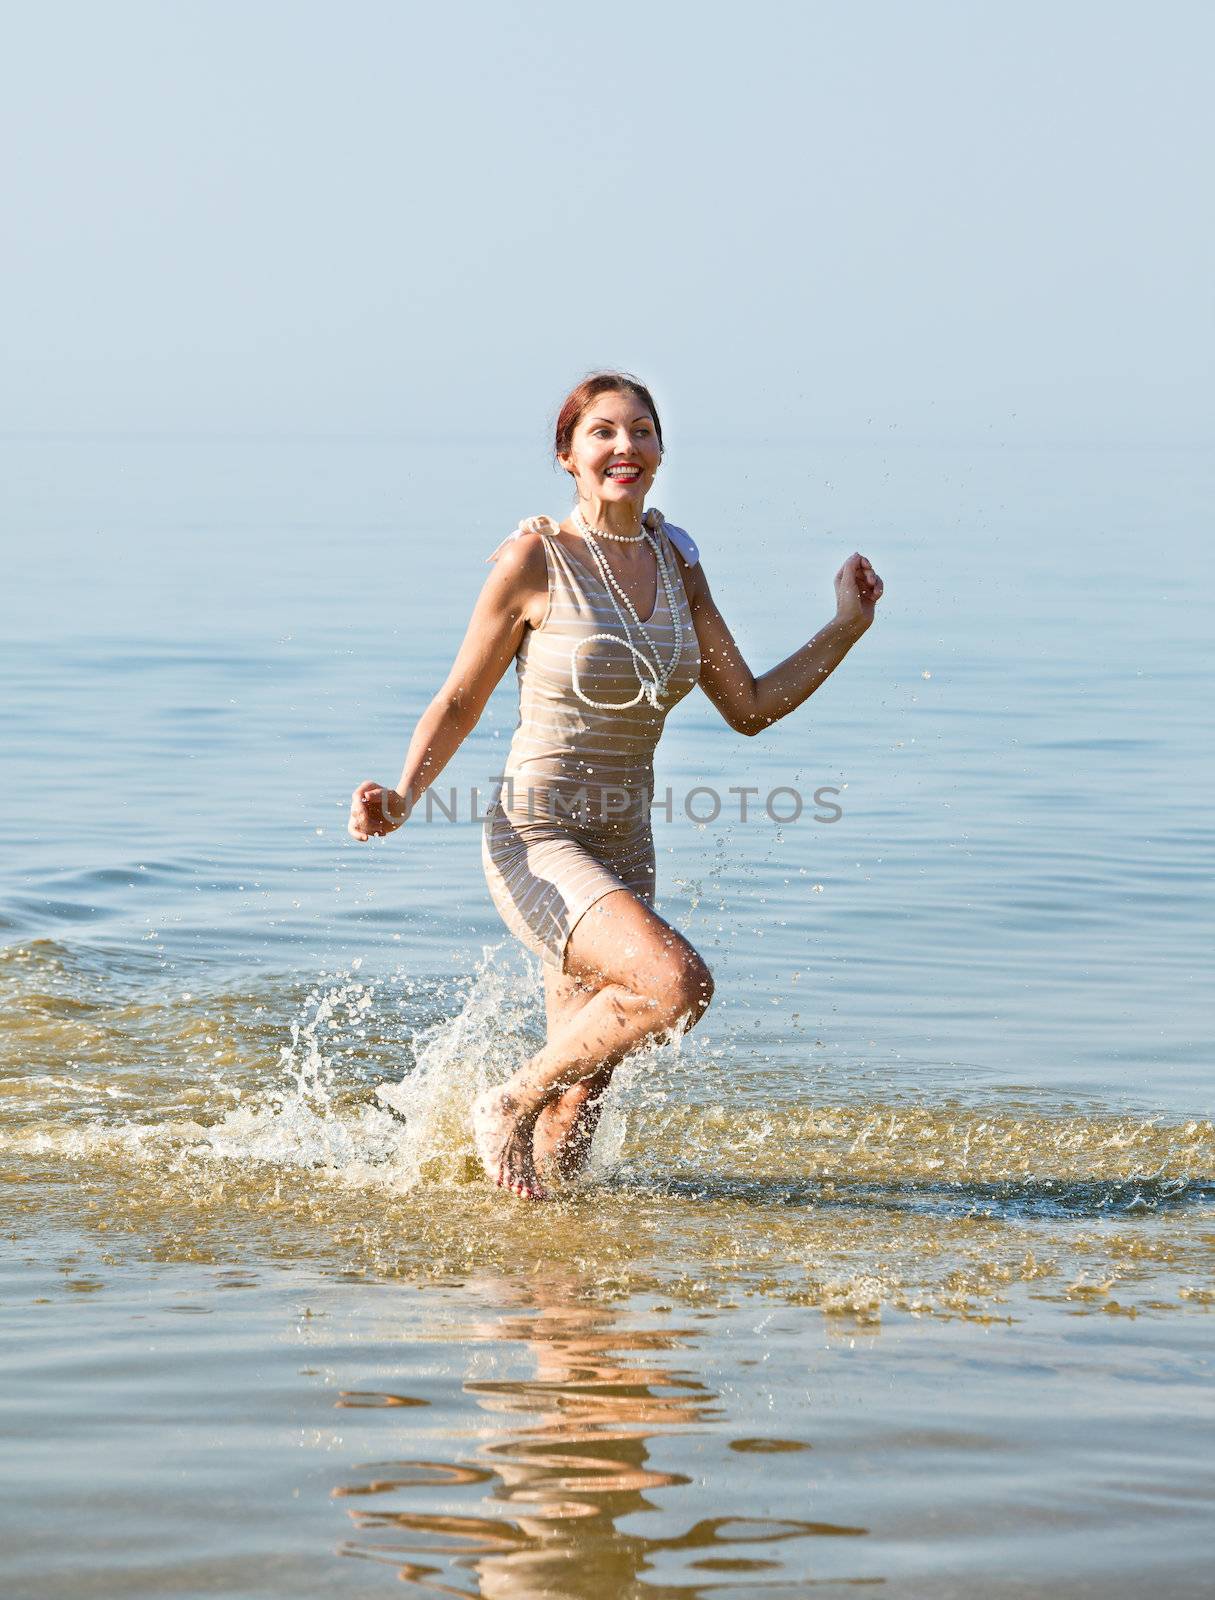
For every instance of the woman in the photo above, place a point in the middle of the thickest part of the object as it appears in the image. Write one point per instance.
(609, 618)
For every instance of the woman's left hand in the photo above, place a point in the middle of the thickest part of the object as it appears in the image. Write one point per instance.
(857, 590)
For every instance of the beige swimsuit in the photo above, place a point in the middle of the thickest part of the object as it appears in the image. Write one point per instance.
(571, 821)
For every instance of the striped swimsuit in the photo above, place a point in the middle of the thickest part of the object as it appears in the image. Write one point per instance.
(572, 818)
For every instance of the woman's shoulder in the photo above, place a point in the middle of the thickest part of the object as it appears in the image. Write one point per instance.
(529, 535)
(520, 580)
(681, 540)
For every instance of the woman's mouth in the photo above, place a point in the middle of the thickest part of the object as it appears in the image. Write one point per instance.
(623, 474)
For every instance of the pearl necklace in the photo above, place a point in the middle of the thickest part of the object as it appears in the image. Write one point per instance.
(602, 533)
(659, 674)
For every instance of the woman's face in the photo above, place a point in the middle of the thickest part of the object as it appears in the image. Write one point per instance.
(614, 454)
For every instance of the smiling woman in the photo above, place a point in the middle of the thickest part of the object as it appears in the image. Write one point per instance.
(610, 622)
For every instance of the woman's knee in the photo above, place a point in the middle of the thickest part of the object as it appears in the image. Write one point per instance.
(683, 989)
(621, 943)
(698, 991)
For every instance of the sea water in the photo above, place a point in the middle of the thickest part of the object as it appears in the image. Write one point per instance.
(897, 1269)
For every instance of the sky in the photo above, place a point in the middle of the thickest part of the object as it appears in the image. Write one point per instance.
(928, 219)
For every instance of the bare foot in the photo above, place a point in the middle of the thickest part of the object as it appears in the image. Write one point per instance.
(566, 1126)
(504, 1143)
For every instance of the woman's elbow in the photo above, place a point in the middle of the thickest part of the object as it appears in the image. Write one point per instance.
(749, 723)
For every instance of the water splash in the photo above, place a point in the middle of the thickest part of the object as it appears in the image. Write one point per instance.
(500, 1023)
(350, 1144)
(411, 1129)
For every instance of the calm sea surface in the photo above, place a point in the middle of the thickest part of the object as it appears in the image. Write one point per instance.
(899, 1271)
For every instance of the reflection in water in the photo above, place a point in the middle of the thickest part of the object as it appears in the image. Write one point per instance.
(571, 1462)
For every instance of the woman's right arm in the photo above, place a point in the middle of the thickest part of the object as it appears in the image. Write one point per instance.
(515, 589)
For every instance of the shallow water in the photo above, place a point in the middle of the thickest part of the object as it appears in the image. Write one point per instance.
(274, 1430)
(897, 1270)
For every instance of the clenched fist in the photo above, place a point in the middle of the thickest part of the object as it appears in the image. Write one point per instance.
(374, 811)
(857, 590)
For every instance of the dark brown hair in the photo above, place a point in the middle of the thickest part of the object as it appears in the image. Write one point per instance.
(576, 402)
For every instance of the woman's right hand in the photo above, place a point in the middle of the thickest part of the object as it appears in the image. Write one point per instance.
(374, 811)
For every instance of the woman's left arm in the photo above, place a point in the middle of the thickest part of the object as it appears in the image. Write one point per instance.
(750, 704)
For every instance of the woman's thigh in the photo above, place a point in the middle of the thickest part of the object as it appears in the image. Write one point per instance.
(620, 939)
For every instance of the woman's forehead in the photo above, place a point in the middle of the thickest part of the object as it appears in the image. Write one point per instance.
(626, 408)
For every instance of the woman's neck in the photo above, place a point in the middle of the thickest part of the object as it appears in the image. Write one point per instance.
(613, 516)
